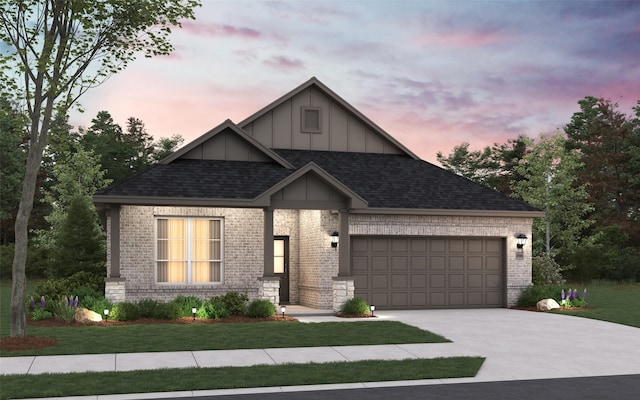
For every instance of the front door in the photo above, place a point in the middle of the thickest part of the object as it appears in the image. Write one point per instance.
(281, 265)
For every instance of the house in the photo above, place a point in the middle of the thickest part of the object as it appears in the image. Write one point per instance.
(309, 202)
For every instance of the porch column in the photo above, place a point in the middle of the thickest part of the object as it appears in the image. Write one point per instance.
(344, 246)
(268, 242)
(114, 235)
(114, 283)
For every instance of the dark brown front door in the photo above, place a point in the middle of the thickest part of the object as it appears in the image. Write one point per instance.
(281, 265)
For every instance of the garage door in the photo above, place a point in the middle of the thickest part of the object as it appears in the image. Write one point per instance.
(428, 272)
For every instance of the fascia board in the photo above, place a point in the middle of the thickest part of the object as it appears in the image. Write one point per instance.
(447, 212)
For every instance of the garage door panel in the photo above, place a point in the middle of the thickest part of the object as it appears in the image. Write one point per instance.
(380, 300)
(379, 263)
(418, 281)
(456, 299)
(379, 282)
(438, 281)
(456, 281)
(359, 264)
(438, 299)
(456, 263)
(437, 263)
(399, 300)
(419, 300)
(474, 263)
(475, 281)
(399, 282)
(428, 272)
(399, 262)
(418, 263)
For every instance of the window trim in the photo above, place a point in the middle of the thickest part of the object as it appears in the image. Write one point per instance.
(304, 127)
(188, 251)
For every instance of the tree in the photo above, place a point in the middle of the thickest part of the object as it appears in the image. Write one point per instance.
(492, 167)
(165, 146)
(56, 51)
(478, 166)
(12, 157)
(609, 142)
(549, 173)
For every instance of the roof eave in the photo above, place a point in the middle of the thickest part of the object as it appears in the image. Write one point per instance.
(451, 212)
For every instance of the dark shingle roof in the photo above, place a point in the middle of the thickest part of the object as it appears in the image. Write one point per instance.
(201, 179)
(399, 181)
(383, 180)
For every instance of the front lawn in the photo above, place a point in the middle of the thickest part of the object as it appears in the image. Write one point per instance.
(610, 301)
(50, 385)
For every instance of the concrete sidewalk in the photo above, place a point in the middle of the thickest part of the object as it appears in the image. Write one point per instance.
(517, 345)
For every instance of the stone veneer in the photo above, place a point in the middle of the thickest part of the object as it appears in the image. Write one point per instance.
(313, 263)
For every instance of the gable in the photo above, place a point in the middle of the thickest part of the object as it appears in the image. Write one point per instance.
(226, 142)
(226, 146)
(340, 127)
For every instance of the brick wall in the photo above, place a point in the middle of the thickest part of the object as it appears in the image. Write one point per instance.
(243, 252)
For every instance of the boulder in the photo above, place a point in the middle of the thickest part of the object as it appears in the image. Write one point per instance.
(83, 315)
(547, 304)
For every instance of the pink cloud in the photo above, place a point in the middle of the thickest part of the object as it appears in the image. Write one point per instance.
(280, 62)
(216, 30)
(460, 39)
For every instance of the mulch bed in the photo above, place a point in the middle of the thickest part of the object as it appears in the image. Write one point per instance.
(557, 309)
(38, 342)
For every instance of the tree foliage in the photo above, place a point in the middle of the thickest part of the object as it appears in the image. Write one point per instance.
(609, 142)
(549, 172)
(55, 51)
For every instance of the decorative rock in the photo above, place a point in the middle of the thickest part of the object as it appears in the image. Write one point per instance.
(83, 315)
(547, 304)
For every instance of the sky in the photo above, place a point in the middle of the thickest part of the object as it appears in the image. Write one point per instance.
(433, 74)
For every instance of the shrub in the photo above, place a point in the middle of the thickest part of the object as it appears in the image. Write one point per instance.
(62, 287)
(531, 295)
(546, 271)
(38, 314)
(124, 312)
(96, 304)
(186, 303)
(64, 309)
(213, 310)
(355, 306)
(261, 309)
(155, 309)
(235, 302)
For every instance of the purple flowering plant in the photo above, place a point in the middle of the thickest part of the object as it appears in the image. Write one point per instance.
(570, 298)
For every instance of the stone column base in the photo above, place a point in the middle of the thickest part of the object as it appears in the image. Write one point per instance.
(114, 290)
(270, 289)
(343, 290)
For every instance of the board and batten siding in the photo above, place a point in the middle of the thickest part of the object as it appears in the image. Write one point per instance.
(341, 130)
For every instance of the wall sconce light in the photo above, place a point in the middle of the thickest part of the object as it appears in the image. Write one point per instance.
(372, 308)
(283, 309)
(521, 240)
(334, 239)
(193, 311)
(106, 314)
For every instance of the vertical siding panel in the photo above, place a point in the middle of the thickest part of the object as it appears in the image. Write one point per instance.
(357, 136)
(262, 130)
(338, 128)
(320, 141)
(282, 126)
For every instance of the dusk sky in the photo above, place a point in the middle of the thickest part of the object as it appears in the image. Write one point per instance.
(433, 74)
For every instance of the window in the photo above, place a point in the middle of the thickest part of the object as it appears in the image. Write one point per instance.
(311, 120)
(189, 250)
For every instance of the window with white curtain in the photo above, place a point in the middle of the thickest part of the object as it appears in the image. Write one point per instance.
(189, 250)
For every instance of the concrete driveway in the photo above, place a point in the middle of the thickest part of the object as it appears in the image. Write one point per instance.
(531, 345)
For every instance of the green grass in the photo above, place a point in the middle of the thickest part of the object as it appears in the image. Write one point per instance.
(610, 301)
(179, 337)
(192, 337)
(50, 385)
